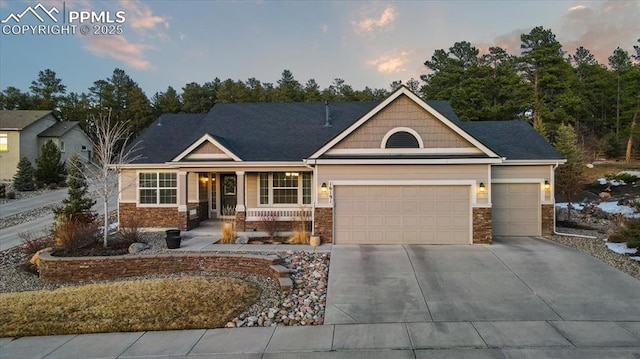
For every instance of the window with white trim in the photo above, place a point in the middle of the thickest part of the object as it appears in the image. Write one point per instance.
(284, 188)
(4, 142)
(158, 188)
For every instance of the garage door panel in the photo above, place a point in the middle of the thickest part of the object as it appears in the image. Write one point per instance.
(516, 209)
(402, 214)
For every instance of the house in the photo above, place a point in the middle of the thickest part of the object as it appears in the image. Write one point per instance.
(22, 134)
(398, 171)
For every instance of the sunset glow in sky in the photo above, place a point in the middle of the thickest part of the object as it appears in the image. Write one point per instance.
(371, 44)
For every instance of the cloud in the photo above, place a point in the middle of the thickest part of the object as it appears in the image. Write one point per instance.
(140, 16)
(324, 28)
(601, 27)
(118, 47)
(391, 62)
(370, 24)
(598, 27)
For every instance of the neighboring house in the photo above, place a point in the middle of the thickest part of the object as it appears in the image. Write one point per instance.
(22, 134)
(398, 171)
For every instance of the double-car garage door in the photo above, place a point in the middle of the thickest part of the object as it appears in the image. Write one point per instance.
(402, 214)
(383, 214)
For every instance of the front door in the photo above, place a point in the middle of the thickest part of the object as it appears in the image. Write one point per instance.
(228, 196)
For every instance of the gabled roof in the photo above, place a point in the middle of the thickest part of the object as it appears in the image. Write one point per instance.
(252, 131)
(404, 91)
(513, 140)
(293, 132)
(16, 120)
(59, 129)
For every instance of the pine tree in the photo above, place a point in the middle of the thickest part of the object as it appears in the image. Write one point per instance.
(23, 179)
(569, 176)
(78, 204)
(50, 169)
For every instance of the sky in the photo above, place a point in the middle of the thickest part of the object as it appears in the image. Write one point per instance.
(165, 43)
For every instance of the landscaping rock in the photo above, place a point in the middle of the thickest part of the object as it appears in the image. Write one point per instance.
(136, 248)
(242, 240)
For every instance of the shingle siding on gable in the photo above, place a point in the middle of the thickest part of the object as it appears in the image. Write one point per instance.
(207, 148)
(404, 113)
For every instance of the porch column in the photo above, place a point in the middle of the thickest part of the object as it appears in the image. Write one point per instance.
(240, 191)
(183, 194)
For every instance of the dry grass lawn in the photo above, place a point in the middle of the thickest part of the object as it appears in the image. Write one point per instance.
(157, 304)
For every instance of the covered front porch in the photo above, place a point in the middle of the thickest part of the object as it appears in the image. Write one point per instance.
(248, 198)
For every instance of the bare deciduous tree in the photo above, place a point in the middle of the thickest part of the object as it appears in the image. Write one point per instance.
(111, 151)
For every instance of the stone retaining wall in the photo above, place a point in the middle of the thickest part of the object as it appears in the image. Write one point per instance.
(87, 269)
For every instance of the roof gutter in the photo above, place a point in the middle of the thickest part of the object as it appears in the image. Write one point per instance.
(554, 218)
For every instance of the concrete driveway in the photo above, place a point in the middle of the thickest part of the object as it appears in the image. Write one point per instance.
(514, 279)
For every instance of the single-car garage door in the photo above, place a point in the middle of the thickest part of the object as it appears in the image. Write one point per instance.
(402, 215)
(516, 209)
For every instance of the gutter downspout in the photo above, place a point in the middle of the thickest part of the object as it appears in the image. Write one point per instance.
(554, 219)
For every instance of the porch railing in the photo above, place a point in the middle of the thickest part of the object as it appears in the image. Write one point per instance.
(281, 214)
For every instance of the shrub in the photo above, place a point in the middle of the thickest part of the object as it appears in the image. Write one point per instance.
(3, 190)
(269, 224)
(616, 238)
(130, 230)
(300, 232)
(23, 179)
(11, 195)
(631, 233)
(625, 177)
(71, 234)
(52, 186)
(32, 244)
(228, 233)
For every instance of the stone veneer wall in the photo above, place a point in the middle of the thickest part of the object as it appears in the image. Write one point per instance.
(87, 269)
(158, 217)
(547, 219)
(323, 224)
(482, 226)
(240, 223)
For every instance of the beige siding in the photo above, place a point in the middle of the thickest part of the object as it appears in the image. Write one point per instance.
(9, 159)
(207, 147)
(404, 113)
(252, 190)
(402, 215)
(128, 185)
(521, 172)
(194, 187)
(329, 173)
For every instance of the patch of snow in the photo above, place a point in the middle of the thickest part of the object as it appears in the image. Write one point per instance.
(609, 207)
(632, 173)
(621, 248)
(637, 259)
(577, 206)
(602, 181)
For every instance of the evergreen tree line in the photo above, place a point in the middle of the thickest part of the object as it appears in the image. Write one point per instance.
(544, 85)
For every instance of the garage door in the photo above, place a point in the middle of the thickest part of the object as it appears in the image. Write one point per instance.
(516, 209)
(402, 214)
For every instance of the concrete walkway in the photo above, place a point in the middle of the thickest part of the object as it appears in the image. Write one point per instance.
(518, 298)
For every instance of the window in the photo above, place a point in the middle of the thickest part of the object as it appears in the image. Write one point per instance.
(264, 188)
(61, 146)
(4, 143)
(285, 188)
(84, 148)
(158, 188)
(402, 139)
